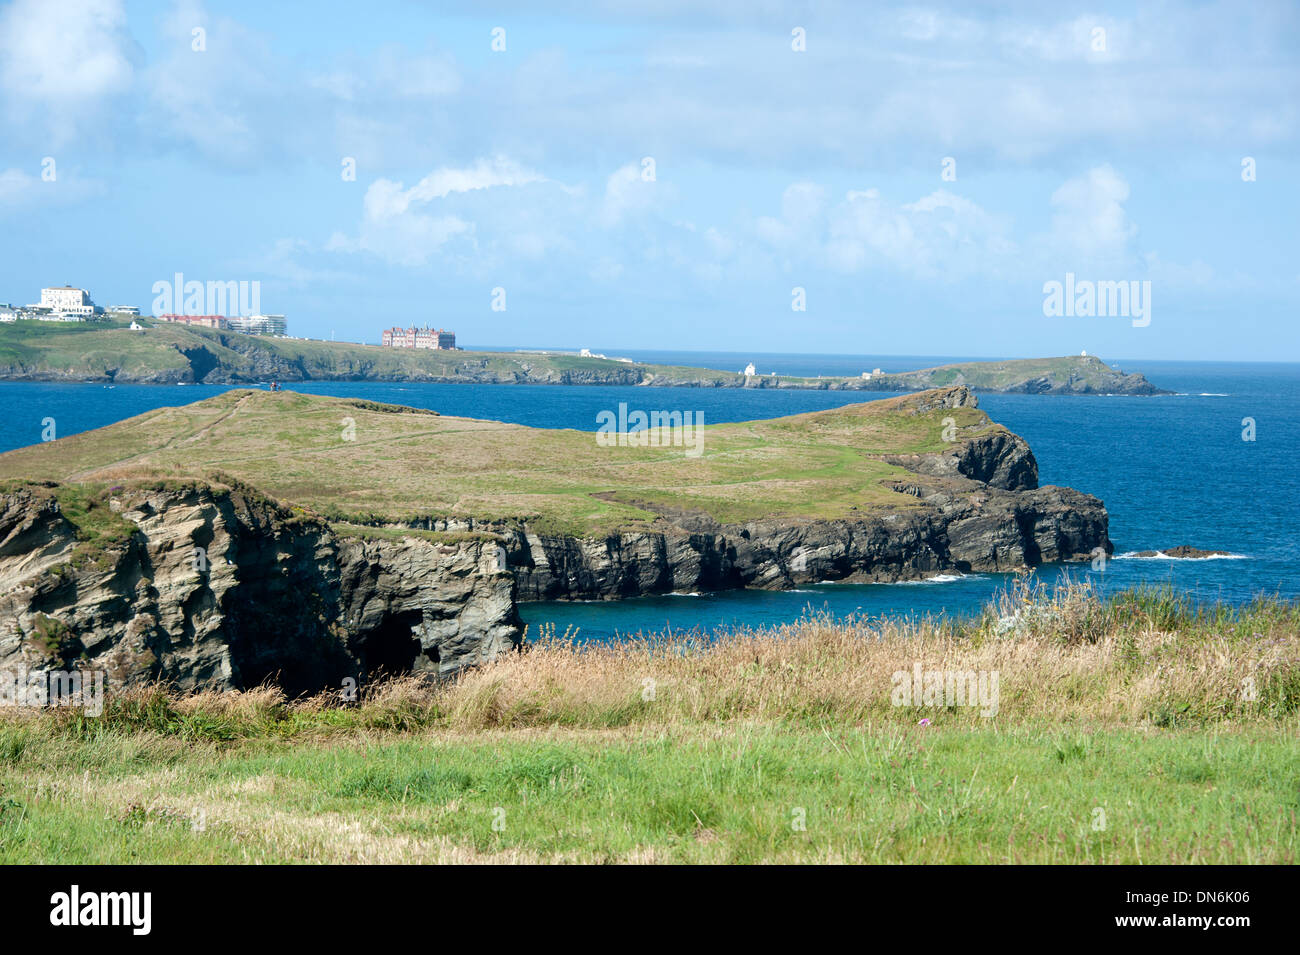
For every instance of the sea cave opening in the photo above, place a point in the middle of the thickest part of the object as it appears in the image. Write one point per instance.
(392, 648)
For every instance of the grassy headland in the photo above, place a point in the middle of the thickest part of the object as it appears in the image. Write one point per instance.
(1138, 729)
(310, 451)
(166, 353)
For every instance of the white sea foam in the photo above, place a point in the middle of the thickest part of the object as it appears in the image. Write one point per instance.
(1161, 555)
(941, 579)
(936, 579)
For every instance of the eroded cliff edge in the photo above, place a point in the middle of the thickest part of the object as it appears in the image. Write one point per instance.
(221, 587)
(977, 507)
(211, 583)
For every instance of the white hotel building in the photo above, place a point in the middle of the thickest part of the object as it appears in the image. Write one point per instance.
(67, 300)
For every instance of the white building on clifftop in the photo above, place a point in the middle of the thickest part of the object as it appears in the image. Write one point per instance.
(67, 300)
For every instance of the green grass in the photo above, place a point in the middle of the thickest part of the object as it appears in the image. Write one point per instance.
(558, 755)
(1003, 375)
(107, 350)
(734, 793)
(92, 350)
(418, 466)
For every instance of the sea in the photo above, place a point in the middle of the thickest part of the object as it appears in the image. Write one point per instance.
(1210, 466)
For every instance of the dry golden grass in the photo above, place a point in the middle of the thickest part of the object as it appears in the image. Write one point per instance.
(1141, 658)
(1063, 659)
(683, 751)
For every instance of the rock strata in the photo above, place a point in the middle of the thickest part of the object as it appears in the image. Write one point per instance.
(211, 584)
(221, 588)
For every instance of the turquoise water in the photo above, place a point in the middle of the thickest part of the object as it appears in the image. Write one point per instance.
(1172, 470)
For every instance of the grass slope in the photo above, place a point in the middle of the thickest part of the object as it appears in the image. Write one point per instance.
(393, 464)
(1123, 735)
(86, 350)
(1004, 375)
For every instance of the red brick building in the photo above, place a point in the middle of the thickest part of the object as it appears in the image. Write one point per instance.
(203, 321)
(413, 337)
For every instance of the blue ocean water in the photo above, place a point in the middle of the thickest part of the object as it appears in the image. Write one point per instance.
(1172, 470)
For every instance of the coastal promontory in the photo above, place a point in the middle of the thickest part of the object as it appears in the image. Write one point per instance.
(266, 534)
(168, 353)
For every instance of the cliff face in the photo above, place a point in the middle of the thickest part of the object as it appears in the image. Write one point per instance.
(948, 531)
(209, 585)
(267, 595)
(956, 524)
(976, 507)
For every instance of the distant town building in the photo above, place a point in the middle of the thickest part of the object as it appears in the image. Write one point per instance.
(247, 324)
(259, 324)
(202, 321)
(67, 300)
(434, 338)
(68, 304)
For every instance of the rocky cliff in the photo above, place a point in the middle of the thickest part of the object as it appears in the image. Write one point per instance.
(217, 587)
(211, 583)
(976, 507)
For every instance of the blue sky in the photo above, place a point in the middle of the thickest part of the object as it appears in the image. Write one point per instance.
(523, 169)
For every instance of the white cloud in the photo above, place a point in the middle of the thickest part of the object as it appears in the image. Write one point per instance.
(284, 259)
(59, 61)
(20, 189)
(406, 226)
(626, 193)
(1089, 217)
(1088, 38)
(394, 72)
(414, 76)
(802, 207)
(1175, 275)
(941, 234)
(217, 99)
(721, 244)
(929, 25)
(484, 174)
(16, 186)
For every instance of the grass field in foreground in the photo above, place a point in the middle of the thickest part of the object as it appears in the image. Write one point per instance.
(727, 793)
(1123, 733)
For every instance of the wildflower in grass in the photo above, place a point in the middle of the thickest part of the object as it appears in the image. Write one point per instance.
(924, 722)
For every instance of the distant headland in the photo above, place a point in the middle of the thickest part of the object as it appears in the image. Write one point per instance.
(147, 351)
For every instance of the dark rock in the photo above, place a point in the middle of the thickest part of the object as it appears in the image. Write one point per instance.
(275, 596)
(1183, 552)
